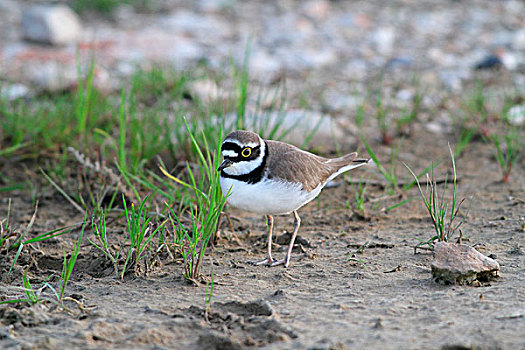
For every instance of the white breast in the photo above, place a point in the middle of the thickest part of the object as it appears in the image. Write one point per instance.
(266, 196)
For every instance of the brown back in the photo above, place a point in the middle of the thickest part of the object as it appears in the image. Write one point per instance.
(290, 163)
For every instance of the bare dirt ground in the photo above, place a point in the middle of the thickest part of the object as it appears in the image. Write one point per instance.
(323, 300)
(333, 55)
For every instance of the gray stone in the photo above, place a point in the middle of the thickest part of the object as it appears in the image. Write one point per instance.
(56, 25)
(52, 76)
(460, 264)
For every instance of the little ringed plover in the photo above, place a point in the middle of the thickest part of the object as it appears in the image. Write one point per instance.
(273, 178)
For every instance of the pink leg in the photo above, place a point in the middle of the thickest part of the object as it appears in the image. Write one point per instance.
(269, 260)
(286, 260)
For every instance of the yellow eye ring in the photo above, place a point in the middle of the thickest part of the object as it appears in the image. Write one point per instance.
(246, 152)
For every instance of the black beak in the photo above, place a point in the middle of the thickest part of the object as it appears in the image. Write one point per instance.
(226, 163)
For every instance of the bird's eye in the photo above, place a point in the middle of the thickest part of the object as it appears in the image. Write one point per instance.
(246, 152)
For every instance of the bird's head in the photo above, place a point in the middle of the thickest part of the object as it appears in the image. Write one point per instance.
(243, 152)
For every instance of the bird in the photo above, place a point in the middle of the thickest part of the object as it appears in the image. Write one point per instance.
(275, 178)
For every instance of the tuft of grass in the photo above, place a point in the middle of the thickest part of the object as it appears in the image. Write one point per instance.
(508, 148)
(32, 298)
(359, 199)
(444, 215)
(208, 202)
(69, 264)
(100, 232)
(141, 231)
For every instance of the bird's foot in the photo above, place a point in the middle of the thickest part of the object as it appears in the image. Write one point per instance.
(268, 261)
(285, 262)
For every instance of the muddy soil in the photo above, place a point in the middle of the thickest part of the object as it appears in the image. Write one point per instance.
(383, 298)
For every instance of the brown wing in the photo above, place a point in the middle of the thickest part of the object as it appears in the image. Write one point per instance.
(290, 163)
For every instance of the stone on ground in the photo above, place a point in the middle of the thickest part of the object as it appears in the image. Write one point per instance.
(55, 25)
(461, 264)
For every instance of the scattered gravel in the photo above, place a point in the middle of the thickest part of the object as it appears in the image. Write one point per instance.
(312, 43)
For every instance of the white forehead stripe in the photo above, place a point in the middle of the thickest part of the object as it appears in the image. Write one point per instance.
(233, 141)
(229, 153)
(237, 142)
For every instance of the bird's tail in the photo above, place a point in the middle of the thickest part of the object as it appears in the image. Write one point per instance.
(346, 163)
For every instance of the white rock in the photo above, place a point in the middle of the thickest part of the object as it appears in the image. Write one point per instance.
(14, 91)
(510, 61)
(435, 127)
(56, 25)
(383, 39)
(516, 115)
